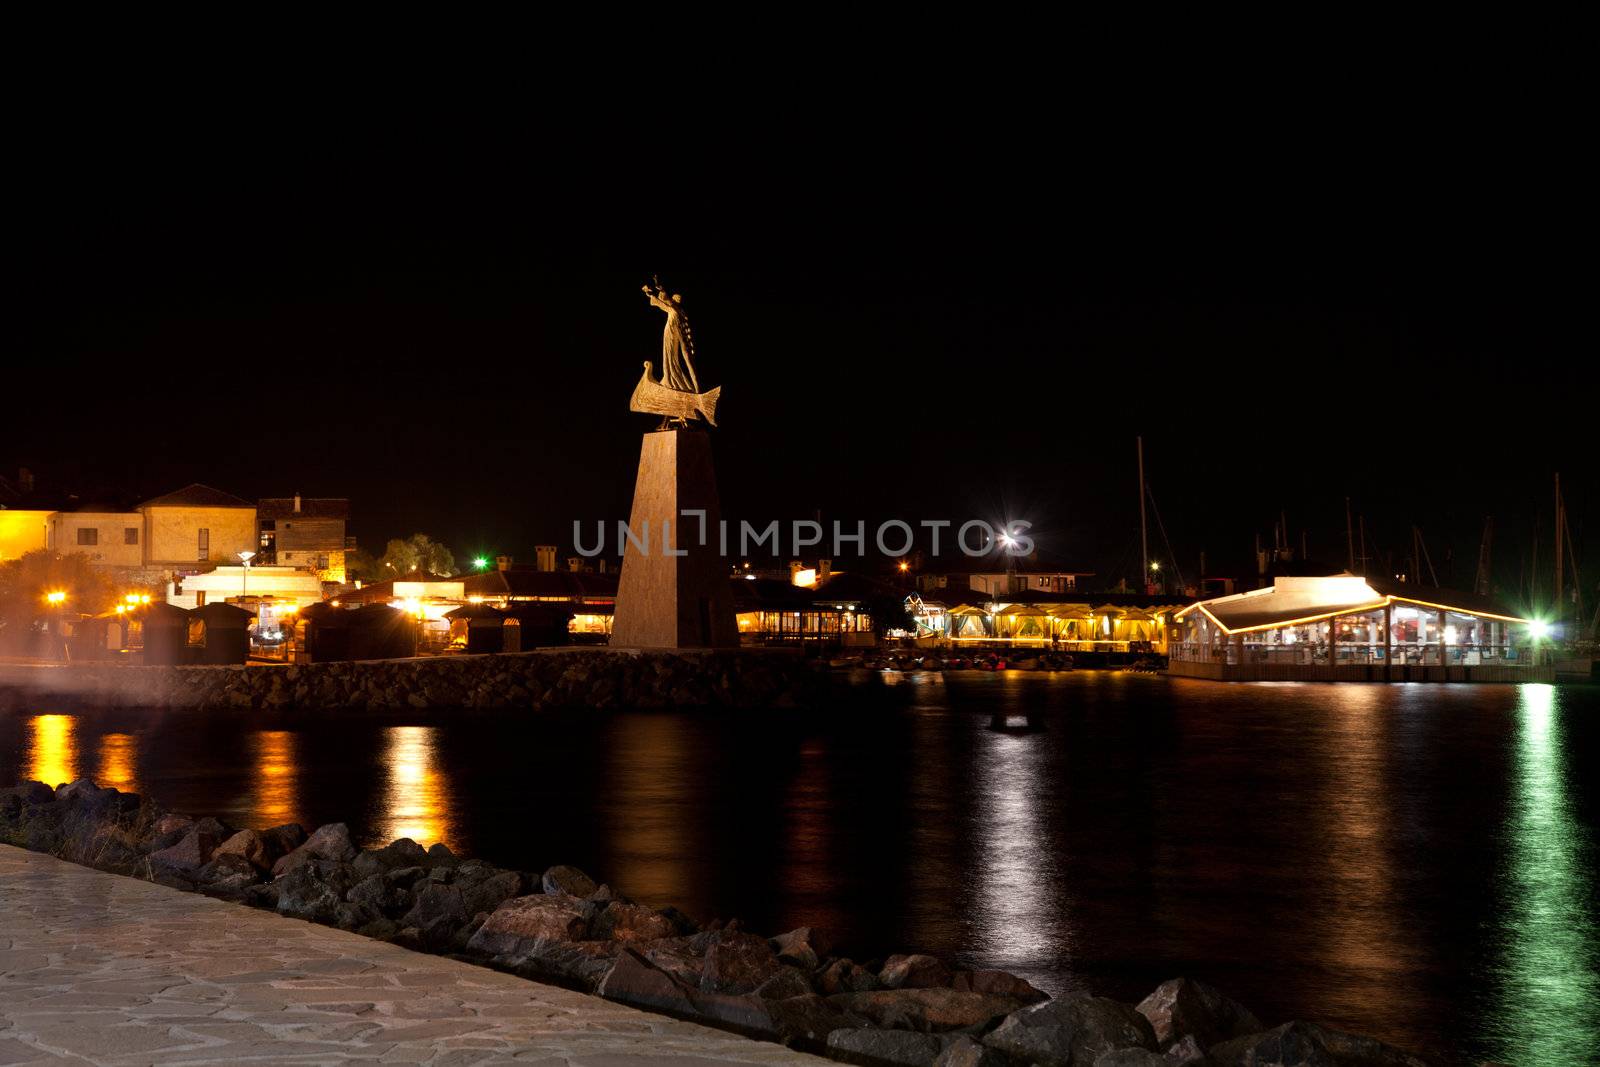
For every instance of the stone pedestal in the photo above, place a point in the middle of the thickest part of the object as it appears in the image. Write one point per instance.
(668, 600)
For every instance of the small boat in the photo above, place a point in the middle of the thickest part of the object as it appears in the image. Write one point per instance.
(653, 398)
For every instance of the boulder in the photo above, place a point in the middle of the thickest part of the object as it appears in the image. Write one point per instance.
(1185, 1052)
(914, 972)
(738, 962)
(804, 947)
(376, 892)
(1298, 1044)
(868, 1045)
(788, 982)
(568, 880)
(282, 840)
(227, 872)
(437, 914)
(1132, 1057)
(925, 1009)
(33, 793)
(1182, 1006)
(846, 976)
(518, 926)
(439, 855)
(403, 852)
(632, 922)
(965, 1051)
(314, 889)
(1002, 983)
(491, 892)
(331, 842)
(634, 980)
(251, 846)
(191, 852)
(1072, 1031)
(581, 963)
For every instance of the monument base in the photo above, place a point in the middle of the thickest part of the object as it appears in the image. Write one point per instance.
(665, 600)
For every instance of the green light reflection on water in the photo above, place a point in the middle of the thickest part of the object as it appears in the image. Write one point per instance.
(1548, 1002)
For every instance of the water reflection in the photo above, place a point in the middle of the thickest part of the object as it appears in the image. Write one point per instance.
(119, 754)
(1360, 903)
(1549, 981)
(277, 799)
(1016, 896)
(52, 750)
(808, 840)
(415, 798)
(650, 769)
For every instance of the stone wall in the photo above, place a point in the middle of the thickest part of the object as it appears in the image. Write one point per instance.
(591, 678)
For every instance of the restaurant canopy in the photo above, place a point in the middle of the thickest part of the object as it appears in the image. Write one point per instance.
(1292, 601)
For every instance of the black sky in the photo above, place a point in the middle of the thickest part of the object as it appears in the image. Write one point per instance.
(434, 310)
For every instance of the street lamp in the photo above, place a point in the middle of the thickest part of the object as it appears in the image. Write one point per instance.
(244, 583)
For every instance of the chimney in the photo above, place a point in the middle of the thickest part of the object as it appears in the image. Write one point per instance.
(602, 566)
(502, 563)
(824, 569)
(575, 564)
(546, 556)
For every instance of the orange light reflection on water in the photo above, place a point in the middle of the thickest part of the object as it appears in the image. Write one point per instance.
(52, 752)
(119, 758)
(415, 801)
(276, 787)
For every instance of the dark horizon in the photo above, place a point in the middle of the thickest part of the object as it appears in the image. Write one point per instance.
(447, 333)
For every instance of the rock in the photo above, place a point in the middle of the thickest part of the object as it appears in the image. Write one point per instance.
(314, 889)
(330, 842)
(568, 880)
(633, 922)
(1002, 983)
(519, 925)
(966, 1052)
(914, 972)
(682, 957)
(251, 846)
(439, 855)
(1182, 1006)
(925, 1009)
(191, 852)
(737, 963)
(1071, 1032)
(867, 1045)
(1298, 1044)
(846, 976)
(581, 963)
(400, 853)
(804, 947)
(84, 791)
(228, 872)
(788, 982)
(282, 840)
(437, 914)
(348, 916)
(376, 892)
(37, 793)
(634, 980)
(491, 892)
(1132, 1057)
(1185, 1052)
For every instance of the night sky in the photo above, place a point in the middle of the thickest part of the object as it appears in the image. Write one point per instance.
(436, 312)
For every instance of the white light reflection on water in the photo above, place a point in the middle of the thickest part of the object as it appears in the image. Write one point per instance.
(1017, 901)
(1548, 1000)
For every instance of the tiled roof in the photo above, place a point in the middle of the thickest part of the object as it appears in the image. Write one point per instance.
(197, 496)
(320, 507)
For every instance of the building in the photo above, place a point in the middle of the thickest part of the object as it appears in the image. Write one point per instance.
(591, 598)
(1343, 627)
(23, 530)
(108, 538)
(1080, 622)
(307, 533)
(197, 525)
(836, 610)
(986, 577)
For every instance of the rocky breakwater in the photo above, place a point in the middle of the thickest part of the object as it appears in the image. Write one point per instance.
(580, 678)
(560, 926)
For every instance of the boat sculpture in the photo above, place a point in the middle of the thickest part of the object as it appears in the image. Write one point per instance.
(653, 398)
(676, 394)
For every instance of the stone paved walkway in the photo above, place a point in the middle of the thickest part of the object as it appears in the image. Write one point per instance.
(96, 968)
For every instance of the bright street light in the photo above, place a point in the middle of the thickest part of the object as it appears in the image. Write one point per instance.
(56, 597)
(481, 562)
(1538, 628)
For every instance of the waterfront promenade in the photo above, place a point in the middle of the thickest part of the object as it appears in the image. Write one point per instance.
(98, 968)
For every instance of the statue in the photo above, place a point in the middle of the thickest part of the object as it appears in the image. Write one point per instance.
(676, 396)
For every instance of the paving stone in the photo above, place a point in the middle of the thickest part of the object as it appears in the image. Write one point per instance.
(96, 968)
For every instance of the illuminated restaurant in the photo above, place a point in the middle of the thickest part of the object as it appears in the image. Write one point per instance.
(1344, 627)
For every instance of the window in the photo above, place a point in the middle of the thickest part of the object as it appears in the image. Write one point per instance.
(199, 598)
(88, 536)
(130, 535)
(205, 544)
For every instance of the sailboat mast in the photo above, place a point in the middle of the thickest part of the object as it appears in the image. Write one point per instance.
(1144, 538)
(1559, 606)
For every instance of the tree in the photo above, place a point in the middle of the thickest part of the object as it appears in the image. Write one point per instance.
(27, 582)
(419, 552)
(359, 563)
